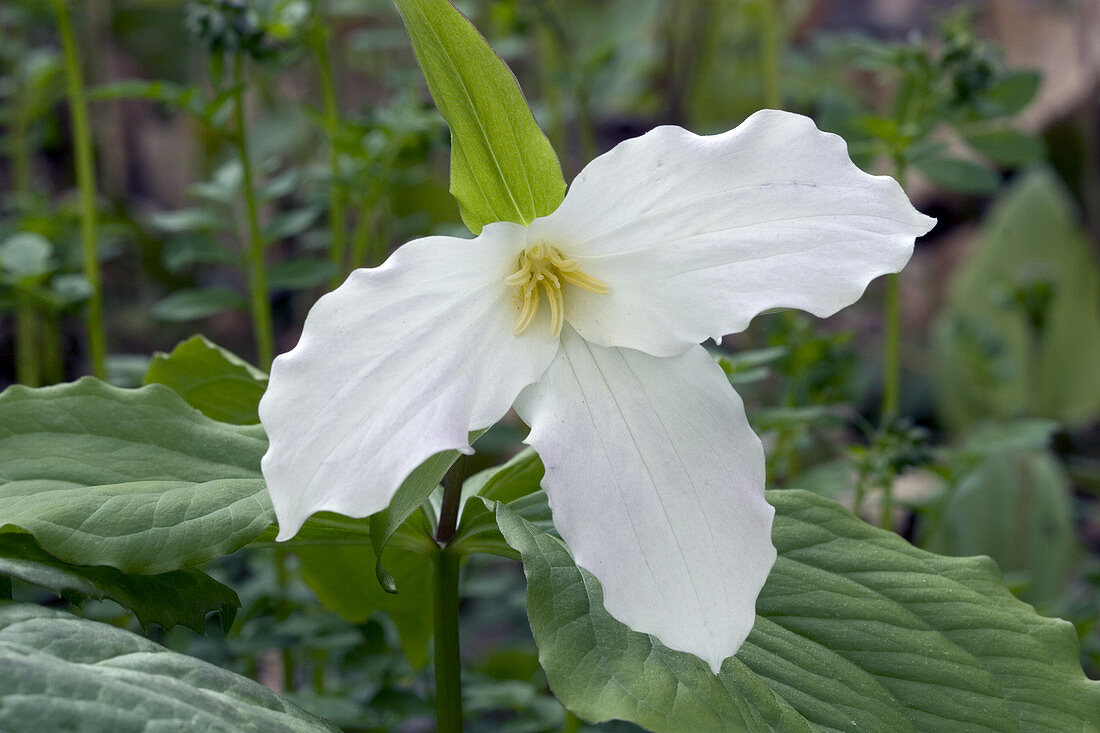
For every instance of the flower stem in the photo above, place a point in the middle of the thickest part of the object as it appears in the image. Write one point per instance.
(260, 305)
(318, 41)
(448, 666)
(85, 176)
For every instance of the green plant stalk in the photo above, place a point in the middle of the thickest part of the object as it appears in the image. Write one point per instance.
(318, 40)
(770, 47)
(85, 176)
(26, 326)
(448, 663)
(20, 154)
(891, 378)
(448, 666)
(260, 304)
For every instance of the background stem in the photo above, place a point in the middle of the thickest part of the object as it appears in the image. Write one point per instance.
(891, 378)
(770, 42)
(318, 40)
(26, 351)
(260, 304)
(85, 177)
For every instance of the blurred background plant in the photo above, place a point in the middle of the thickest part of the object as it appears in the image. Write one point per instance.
(247, 154)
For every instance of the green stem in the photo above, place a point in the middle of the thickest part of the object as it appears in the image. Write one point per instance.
(891, 378)
(85, 176)
(260, 305)
(318, 40)
(770, 43)
(448, 666)
(26, 324)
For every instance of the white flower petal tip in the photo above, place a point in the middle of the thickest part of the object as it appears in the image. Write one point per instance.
(656, 483)
(696, 235)
(397, 364)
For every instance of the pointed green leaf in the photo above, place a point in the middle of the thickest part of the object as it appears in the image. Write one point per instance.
(62, 673)
(856, 630)
(181, 597)
(988, 365)
(135, 479)
(1017, 507)
(217, 382)
(502, 166)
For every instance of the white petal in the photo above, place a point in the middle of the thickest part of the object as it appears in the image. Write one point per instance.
(694, 235)
(398, 363)
(656, 482)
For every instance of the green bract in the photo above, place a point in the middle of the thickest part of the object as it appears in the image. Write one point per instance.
(856, 630)
(502, 166)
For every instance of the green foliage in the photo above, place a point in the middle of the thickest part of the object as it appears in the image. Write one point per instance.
(180, 597)
(343, 577)
(502, 166)
(135, 479)
(993, 358)
(191, 304)
(64, 673)
(1008, 496)
(220, 384)
(855, 629)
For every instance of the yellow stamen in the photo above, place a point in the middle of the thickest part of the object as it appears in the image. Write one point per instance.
(545, 268)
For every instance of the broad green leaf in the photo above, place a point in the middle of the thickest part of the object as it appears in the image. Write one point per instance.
(190, 305)
(502, 166)
(220, 384)
(856, 630)
(956, 174)
(300, 273)
(181, 597)
(343, 577)
(988, 363)
(135, 479)
(62, 673)
(1016, 507)
(1008, 147)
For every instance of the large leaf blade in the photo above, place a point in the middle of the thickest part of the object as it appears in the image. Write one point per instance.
(855, 626)
(134, 479)
(59, 672)
(180, 597)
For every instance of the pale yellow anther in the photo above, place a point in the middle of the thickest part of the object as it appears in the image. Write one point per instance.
(544, 268)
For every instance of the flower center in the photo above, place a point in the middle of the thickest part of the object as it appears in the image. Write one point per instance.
(545, 268)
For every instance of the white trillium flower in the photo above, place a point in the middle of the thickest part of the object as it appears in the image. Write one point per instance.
(589, 322)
